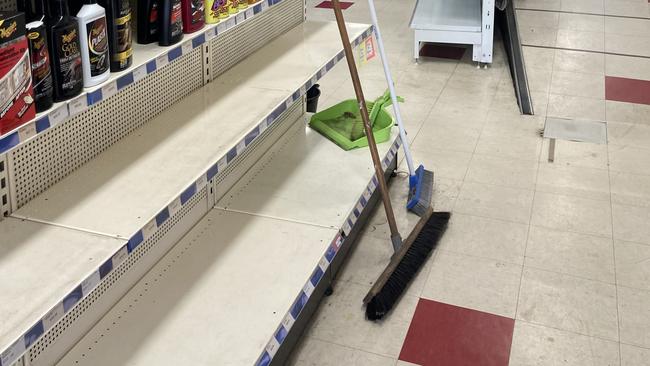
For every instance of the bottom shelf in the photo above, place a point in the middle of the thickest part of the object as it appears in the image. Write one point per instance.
(229, 292)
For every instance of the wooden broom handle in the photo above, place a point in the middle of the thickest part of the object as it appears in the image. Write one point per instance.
(379, 172)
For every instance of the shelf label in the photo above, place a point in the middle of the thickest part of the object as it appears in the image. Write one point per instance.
(308, 289)
(201, 183)
(109, 90)
(240, 17)
(211, 33)
(288, 321)
(272, 347)
(59, 115)
(249, 13)
(120, 256)
(230, 22)
(78, 105)
(265, 5)
(288, 103)
(221, 27)
(13, 352)
(347, 228)
(162, 61)
(90, 283)
(27, 131)
(323, 264)
(139, 73)
(175, 206)
(149, 229)
(53, 316)
(187, 47)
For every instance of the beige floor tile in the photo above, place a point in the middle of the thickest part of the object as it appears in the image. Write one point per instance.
(580, 40)
(633, 356)
(540, 103)
(535, 345)
(537, 36)
(443, 163)
(484, 237)
(631, 223)
(628, 67)
(632, 8)
(341, 319)
(508, 146)
(314, 352)
(577, 154)
(627, 45)
(573, 181)
(628, 134)
(634, 314)
(475, 283)
(578, 61)
(574, 214)
(568, 303)
(628, 112)
(575, 254)
(582, 22)
(539, 80)
(578, 84)
(630, 189)
(495, 201)
(583, 6)
(627, 26)
(538, 18)
(633, 264)
(503, 123)
(629, 159)
(447, 135)
(573, 107)
(538, 58)
(538, 4)
(502, 171)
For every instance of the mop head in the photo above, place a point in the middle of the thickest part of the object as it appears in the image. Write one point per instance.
(420, 191)
(405, 264)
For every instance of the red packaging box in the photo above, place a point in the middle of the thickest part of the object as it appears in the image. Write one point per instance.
(16, 94)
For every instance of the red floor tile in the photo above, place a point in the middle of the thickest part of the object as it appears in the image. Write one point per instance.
(447, 335)
(627, 90)
(328, 5)
(442, 51)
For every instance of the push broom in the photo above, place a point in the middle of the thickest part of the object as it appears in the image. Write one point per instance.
(420, 179)
(411, 254)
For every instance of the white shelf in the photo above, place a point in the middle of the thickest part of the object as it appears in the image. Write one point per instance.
(36, 272)
(450, 15)
(113, 193)
(129, 190)
(232, 284)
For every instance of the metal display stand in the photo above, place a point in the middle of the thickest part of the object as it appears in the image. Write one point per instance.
(121, 192)
(455, 21)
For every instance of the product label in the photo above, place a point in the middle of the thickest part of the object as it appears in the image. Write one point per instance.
(69, 55)
(153, 19)
(176, 19)
(123, 35)
(98, 46)
(40, 57)
(197, 10)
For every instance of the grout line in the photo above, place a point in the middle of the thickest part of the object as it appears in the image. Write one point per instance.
(565, 330)
(584, 13)
(583, 50)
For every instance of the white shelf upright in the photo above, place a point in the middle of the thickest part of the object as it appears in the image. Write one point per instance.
(455, 21)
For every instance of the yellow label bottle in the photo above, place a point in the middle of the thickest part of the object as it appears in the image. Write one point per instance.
(212, 11)
(243, 4)
(233, 8)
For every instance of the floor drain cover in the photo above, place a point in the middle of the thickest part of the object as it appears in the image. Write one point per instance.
(576, 130)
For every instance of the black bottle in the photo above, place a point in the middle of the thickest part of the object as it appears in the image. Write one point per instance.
(65, 51)
(170, 22)
(118, 17)
(147, 21)
(38, 51)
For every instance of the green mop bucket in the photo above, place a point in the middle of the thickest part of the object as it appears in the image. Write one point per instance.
(342, 123)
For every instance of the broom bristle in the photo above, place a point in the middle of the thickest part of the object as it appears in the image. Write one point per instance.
(409, 266)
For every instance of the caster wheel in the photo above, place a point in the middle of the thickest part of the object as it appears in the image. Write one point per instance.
(329, 291)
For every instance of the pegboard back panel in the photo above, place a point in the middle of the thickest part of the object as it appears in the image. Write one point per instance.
(4, 187)
(45, 160)
(7, 5)
(233, 46)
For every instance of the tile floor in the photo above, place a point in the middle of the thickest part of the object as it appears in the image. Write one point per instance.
(543, 263)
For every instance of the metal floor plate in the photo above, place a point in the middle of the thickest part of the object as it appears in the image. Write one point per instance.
(576, 130)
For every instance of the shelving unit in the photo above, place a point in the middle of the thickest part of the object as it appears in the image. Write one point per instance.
(455, 21)
(142, 193)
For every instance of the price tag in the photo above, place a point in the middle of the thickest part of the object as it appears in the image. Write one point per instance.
(303, 90)
(323, 264)
(210, 34)
(78, 105)
(27, 131)
(139, 73)
(90, 283)
(314, 80)
(149, 229)
(187, 47)
(162, 61)
(288, 321)
(272, 347)
(11, 354)
(241, 146)
(59, 115)
(201, 183)
(175, 206)
(53, 316)
(346, 228)
(120, 256)
(288, 103)
(240, 17)
(308, 289)
(249, 13)
(359, 207)
(265, 5)
(222, 164)
(109, 90)
(221, 27)
(230, 22)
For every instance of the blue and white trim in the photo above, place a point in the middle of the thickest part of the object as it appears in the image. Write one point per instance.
(68, 109)
(303, 297)
(10, 355)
